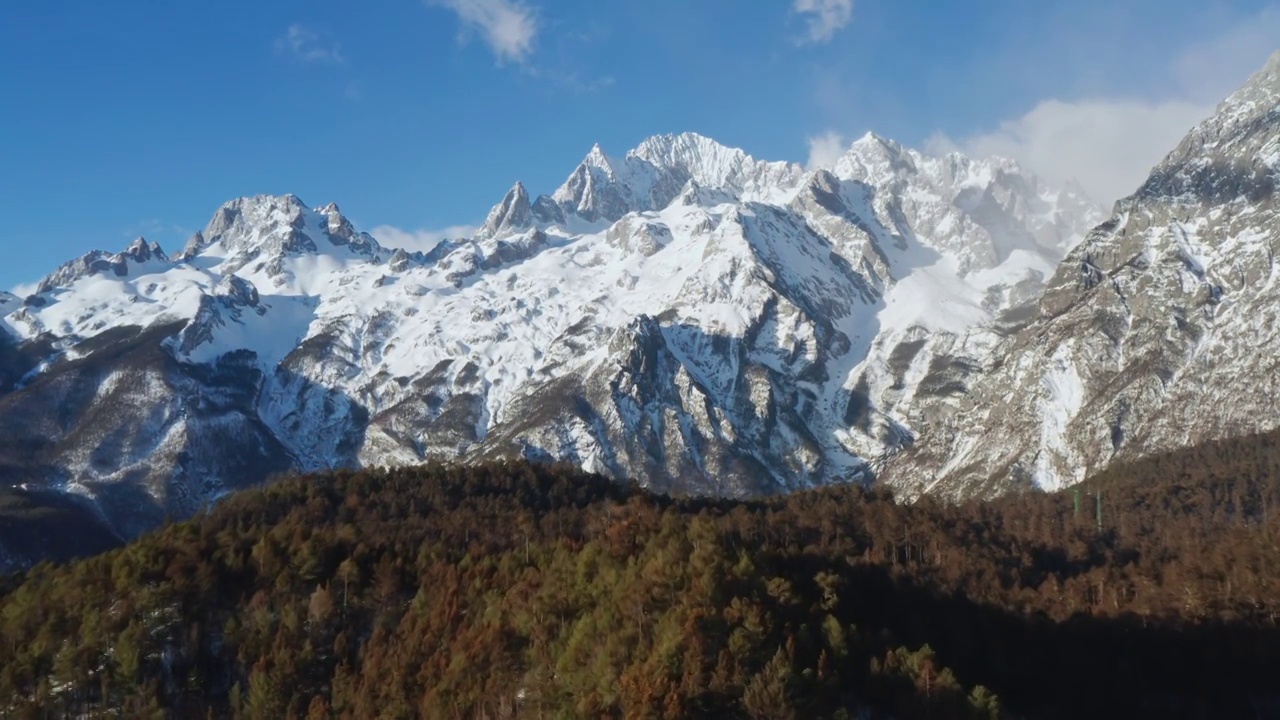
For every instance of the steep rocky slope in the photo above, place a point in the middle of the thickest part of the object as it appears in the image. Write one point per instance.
(1160, 330)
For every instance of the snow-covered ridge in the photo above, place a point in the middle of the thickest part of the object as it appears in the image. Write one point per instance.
(684, 314)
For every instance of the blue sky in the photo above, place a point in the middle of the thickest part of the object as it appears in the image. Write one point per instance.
(127, 117)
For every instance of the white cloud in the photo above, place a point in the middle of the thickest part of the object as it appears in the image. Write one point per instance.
(309, 46)
(1108, 145)
(22, 290)
(509, 27)
(825, 149)
(825, 17)
(423, 240)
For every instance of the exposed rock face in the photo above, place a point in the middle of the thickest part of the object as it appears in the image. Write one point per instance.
(1161, 329)
(686, 315)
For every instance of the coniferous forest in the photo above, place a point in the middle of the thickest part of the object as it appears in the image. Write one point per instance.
(525, 591)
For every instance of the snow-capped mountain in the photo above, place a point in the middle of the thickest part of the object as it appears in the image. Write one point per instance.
(685, 314)
(1160, 330)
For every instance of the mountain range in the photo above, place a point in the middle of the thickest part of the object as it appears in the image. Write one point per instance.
(684, 315)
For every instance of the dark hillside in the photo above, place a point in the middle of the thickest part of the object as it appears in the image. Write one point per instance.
(512, 590)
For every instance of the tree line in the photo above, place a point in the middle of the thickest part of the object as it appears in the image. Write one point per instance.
(514, 590)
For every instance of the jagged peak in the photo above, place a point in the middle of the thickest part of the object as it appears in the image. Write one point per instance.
(874, 158)
(874, 144)
(823, 180)
(693, 155)
(263, 200)
(288, 204)
(337, 222)
(279, 225)
(597, 158)
(142, 251)
(194, 245)
(513, 213)
(652, 175)
(702, 158)
(662, 149)
(872, 155)
(255, 204)
(336, 218)
(871, 137)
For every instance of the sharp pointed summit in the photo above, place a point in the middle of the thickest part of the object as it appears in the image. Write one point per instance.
(513, 214)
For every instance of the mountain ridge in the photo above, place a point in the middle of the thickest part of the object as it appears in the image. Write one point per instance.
(1152, 334)
(685, 315)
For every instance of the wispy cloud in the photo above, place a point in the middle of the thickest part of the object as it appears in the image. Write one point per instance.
(823, 18)
(308, 46)
(825, 150)
(157, 230)
(423, 240)
(573, 81)
(509, 27)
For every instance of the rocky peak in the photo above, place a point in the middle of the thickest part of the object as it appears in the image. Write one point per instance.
(272, 227)
(664, 164)
(654, 174)
(593, 192)
(596, 158)
(691, 154)
(194, 245)
(98, 262)
(337, 223)
(401, 260)
(1234, 154)
(513, 214)
(872, 158)
(982, 209)
(140, 251)
(237, 290)
(342, 232)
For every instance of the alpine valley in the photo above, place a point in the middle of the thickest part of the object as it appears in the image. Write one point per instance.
(684, 315)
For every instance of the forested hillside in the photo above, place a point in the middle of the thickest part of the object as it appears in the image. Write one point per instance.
(513, 590)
